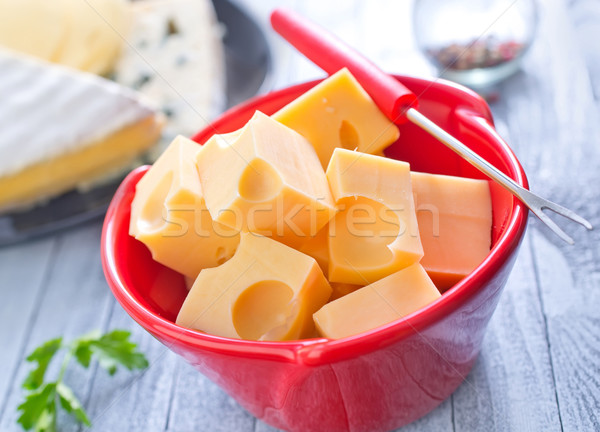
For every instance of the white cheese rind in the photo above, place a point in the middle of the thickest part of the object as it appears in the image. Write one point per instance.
(47, 110)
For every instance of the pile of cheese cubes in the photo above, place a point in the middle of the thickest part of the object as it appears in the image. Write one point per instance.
(295, 226)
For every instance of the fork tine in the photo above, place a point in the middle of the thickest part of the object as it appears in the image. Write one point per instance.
(552, 225)
(570, 214)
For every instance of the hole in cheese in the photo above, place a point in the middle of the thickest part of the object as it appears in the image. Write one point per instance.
(348, 136)
(259, 182)
(153, 215)
(262, 307)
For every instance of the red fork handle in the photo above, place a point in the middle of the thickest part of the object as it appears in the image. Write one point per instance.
(331, 54)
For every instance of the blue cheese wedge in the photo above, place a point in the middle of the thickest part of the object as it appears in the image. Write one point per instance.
(174, 55)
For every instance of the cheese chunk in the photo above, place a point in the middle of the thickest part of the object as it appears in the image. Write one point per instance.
(455, 223)
(169, 215)
(174, 55)
(338, 112)
(265, 178)
(34, 27)
(86, 35)
(317, 246)
(86, 128)
(95, 30)
(267, 291)
(382, 302)
(375, 231)
(341, 289)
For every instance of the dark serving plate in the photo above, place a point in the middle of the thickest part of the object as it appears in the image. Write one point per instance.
(248, 68)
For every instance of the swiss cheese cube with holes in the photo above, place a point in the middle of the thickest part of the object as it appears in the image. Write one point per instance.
(377, 304)
(375, 231)
(266, 291)
(317, 246)
(265, 178)
(338, 112)
(455, 224)
(169, 215)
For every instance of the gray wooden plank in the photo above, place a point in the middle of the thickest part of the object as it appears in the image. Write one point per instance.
(22, 272)
(74, 300)
(134, 401)
(199, 404)
(511, 387)
(440, 419)
(571, 300)
(562, 129)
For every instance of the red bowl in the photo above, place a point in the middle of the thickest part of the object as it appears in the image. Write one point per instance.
(374, 381)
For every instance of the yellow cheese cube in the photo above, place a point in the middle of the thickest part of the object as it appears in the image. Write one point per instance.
(317, 246)
(455, 224)
(382, 302)
(265, 178)
(266, 291)
(341, 289)
(169, 215)
(375, 231)
(338, 112)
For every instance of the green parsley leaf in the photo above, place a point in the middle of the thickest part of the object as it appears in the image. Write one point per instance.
(82, 350)
(38, 408)
(38, 411)
(114, 348)
(42, 355)
(47, 421)
(71, 404)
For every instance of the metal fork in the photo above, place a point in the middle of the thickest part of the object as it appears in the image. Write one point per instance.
(534, 202)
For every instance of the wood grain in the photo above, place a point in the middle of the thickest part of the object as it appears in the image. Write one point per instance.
(539, 368)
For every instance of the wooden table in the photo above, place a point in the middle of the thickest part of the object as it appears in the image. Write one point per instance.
(539, 368)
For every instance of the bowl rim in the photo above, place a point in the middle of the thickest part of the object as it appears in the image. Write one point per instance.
(320, 350)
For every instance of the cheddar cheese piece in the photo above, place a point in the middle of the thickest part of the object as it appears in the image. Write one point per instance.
(266, 291)
(169, 215)
(375, 231)
(87, 35)
(338, 112)
(382, 302)
(265, 178)
(455, 224)
(317, 246)
(341, 289)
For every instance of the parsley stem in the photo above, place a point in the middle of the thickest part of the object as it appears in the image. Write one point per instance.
(65, 363)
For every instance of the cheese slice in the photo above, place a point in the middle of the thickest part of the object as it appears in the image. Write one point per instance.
(86, 35)
(169, 214)
(338, 112)
(455, 224)
(95, 34)
(60, 128)
(267, 179)
(382, 302)
(175, 56)
(375, 231)
(266, 291)
(34, 27)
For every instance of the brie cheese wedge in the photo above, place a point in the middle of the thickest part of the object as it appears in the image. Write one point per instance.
(60, 128)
